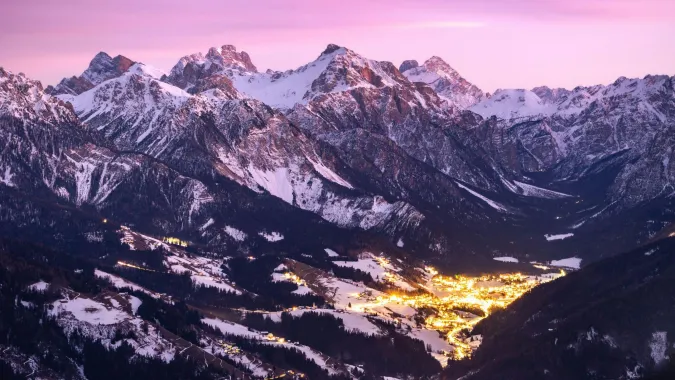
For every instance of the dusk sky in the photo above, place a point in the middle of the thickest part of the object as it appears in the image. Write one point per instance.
(492, 43)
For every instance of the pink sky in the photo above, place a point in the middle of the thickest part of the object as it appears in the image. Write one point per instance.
(493, 43)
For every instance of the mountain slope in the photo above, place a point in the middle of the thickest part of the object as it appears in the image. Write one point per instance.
(101, 68)
(610, 320)
(445, 80)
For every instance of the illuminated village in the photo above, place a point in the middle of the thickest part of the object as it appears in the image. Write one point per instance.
(453, 305)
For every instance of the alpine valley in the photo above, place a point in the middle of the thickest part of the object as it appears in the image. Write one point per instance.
(344, 220)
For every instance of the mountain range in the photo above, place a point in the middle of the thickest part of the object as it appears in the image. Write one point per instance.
(342, 154)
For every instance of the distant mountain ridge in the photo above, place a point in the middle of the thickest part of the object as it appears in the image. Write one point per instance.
(344, 158)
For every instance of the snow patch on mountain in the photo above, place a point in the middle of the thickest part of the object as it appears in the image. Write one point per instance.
(235, 234)
(508, 104)
(506, 259)
(102, 322)
(282, 89)
(558, 236)
(6, 177)
(39, 286)
(570, 262)
(272, 237)
(658, 347)
(539, 192)
(490, 202)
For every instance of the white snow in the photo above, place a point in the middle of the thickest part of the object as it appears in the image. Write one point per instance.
(490, 202)
(400, 243)
(230, 328)
(571, 262)
(507, 104)
(207, 224)
(288, 89)
(352, 321)
(366, 264)
(277, 182)
(100, 322)
(432, 338)
(145, 70)
(534, 191)
(236, 329)
(558, 236)
(114, 302)
(135, 303)
(302, 290)
(329, 174)
(272, 236)
(40, 286)
(235, 234)
(280, 277)
(506, 259)
(89, 311)
(6, 177)
(212, 282)
(658, 346)
(331, 253)
(120, 283)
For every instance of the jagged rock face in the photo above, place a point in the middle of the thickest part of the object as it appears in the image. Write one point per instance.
(360, 145)
(220, 83)
(408, 64)
(214, 137)
(411, 115)
(629, 123)
(196, 69)
(101, 68)
(551, 95)
(49, 154)
(445, 80)
(227, 56)
(343, 90)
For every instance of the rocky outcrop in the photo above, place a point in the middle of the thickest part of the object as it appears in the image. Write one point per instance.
(445, 80)
(101, 68)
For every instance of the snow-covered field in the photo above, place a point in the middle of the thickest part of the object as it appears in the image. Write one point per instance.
(120, 283)
(230, 328)
(352, 321)
(380, 269)
(101, 322)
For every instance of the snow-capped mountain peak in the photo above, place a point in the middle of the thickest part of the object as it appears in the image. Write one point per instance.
(227, 56)
(545, 101)
(445, 80)
(101, 68)
(104, 67)
(24, 98)
(510, 103)
(336, 69)
(146, 70)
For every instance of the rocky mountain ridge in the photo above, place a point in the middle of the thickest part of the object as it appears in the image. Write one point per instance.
(351, 172)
